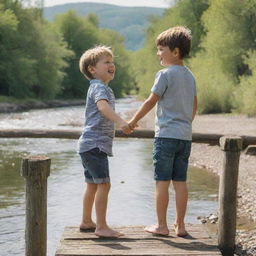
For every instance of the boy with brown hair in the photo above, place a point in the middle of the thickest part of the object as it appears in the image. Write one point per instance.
(174, 92)
(95, 143)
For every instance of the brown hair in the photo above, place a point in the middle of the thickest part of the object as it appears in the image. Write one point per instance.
(176, 37)
(91, 57)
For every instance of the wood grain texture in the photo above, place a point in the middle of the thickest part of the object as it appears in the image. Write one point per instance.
(137, 242)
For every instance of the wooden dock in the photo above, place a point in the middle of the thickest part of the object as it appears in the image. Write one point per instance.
(137, 242)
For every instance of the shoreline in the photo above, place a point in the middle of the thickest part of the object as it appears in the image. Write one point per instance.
(10, 107)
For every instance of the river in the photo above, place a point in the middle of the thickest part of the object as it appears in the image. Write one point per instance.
(131, 200)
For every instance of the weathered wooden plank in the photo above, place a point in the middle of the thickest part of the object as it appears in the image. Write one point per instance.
(138, 232)
(137, 242)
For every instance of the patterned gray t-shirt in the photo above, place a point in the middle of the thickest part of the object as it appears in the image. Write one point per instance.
(98, 131)
(176, 87)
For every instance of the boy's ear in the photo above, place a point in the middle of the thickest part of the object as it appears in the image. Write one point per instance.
(176, 52)
(91, 69)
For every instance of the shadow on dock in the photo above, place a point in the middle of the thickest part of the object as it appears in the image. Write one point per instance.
(137, 242)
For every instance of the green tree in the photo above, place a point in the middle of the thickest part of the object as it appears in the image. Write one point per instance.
(50, 52)
(28, 48)
(219, 64)
(80, 34)
(184, 13)
(16, 68)
(245, 95)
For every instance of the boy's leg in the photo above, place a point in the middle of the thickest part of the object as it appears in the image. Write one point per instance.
(96, 172)
(88, 200)
(163, 157)
(180, 186)
(101, 201)
(181, 196)
(162, 200)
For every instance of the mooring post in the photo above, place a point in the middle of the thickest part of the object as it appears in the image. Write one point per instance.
(36, 169)
(232, 146)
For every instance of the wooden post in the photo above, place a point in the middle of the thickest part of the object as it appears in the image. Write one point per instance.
(232, 147)
(36, 169)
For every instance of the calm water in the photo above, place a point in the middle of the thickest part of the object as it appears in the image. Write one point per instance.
(131, 199)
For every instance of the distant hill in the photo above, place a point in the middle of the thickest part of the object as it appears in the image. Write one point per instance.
(131, 22)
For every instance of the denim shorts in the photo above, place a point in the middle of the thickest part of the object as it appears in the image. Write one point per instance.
(170, 159)
(95, 163)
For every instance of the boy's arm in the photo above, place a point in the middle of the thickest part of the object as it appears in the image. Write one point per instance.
(148, 104)
(194, 108)
(110, 114)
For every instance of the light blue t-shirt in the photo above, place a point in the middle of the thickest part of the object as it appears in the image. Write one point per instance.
(177, 88)
(98, 131)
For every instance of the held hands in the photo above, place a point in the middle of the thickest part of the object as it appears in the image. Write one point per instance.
(132, 124)
(128, 128)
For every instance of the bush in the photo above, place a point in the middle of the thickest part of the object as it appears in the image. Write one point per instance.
(245, 95)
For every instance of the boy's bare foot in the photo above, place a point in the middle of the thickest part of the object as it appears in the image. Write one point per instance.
(180, 230)
(88, 226)
(155, 229)
(107, 232)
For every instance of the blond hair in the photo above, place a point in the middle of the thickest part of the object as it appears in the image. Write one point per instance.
(176, 37)
(91, 58)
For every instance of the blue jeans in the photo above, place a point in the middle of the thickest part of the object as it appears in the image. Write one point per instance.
(170, 159)
(95, 163)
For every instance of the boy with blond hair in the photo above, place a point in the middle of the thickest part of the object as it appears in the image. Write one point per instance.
(95, 143)
(174, 92)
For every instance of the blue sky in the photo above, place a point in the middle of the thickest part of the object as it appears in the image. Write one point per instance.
(151, 3)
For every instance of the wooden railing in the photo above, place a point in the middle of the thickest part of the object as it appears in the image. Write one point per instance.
(208, 138)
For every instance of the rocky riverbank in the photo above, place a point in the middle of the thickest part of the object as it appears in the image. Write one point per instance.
(8, 107)
(211, 158)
